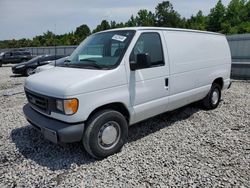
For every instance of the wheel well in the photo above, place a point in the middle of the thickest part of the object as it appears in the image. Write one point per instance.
(219, 81)
(120, 107)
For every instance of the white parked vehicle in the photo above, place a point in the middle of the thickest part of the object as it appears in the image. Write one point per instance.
(119, 77)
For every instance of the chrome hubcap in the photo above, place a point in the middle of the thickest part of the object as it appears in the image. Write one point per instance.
(29, 72)
(109, 135)
(215, 97)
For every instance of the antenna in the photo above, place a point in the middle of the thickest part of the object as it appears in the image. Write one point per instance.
(55, 44)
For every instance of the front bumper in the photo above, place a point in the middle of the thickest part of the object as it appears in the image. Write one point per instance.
(54, 130)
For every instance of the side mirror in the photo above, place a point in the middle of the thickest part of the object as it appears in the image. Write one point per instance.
(142, 61)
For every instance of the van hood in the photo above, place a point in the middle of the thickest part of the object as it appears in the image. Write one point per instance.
(64, 82)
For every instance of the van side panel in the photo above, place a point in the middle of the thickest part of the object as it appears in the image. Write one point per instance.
(196, 60)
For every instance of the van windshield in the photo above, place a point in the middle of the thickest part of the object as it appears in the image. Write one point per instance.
(101, 51)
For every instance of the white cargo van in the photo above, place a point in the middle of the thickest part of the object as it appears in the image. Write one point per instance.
(119, 77)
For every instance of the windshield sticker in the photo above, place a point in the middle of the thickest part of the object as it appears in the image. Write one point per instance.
(119, 38)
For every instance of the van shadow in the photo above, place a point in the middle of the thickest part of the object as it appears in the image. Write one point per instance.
(161, 121)
(17, 76)
(33, 146)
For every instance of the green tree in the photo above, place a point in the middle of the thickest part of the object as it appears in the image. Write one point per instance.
(119, 25)
(72, 39)
(131, 22)
(244, 27)
(82, 32)
(103, 26)
(145, 18)
(114, 25)
(197, 22)
(166, 16)
(226, 28)
(247, 7)
(216, 17)
(237, 17)
(49, 38)
(38, 40)
(236, 12)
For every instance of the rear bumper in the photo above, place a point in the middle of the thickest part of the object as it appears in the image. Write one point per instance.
(54, 130)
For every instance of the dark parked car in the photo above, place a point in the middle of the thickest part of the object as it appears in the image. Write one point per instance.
(14, 56)
(27, 68)
(58, 62)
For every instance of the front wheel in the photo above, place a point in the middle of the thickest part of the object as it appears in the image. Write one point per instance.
(106, 133)
(29, 71)
(212, 100)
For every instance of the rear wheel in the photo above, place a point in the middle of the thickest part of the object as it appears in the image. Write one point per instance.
(106, 133)
(212, 100)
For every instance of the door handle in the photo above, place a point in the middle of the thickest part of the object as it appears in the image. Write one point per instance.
(166, 82)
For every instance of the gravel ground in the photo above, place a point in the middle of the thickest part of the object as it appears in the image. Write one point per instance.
(187, 147)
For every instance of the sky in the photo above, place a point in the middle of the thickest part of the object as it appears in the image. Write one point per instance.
(28, 18)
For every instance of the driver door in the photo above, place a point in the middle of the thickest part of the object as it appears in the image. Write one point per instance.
(148, 87)
(8, 57)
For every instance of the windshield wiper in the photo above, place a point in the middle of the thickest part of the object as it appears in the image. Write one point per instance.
(89, 60)
(91, 63)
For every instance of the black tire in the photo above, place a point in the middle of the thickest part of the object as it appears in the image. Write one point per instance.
(208, 102)
(92, 139)
(29, 71)
(1, 64)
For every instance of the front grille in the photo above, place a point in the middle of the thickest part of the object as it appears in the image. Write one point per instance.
(37, 101)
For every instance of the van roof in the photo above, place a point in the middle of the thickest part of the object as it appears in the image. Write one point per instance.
(162, 29)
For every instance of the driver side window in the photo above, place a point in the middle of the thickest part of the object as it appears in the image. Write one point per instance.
(8, 54)
(149, 43)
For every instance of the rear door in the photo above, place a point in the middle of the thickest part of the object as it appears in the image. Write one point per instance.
(17, 57)
(8, 57)
(148, 87)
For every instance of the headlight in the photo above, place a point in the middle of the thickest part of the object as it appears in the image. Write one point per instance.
(20, 66)
(68, 106)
